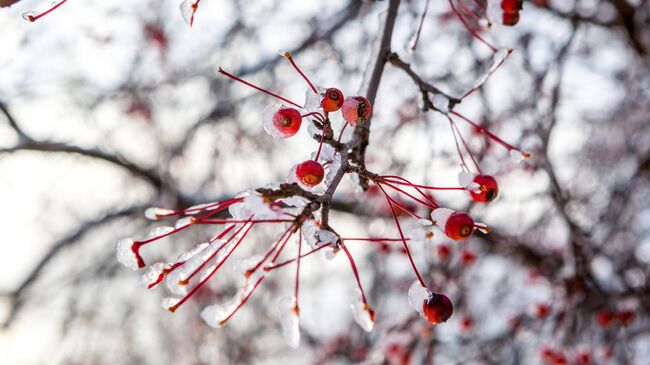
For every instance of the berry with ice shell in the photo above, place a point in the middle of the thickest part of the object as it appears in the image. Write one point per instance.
(356, 109)
(280, 121)
(310, 173)
(333, 100)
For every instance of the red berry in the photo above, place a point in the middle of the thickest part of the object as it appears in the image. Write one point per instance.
(466, 323)
(604, 318)
(583, 358)
(356, 109)
(437, 308)
(510, 19)
(333, 100)
(310, 173)
(511, 6)
(459, 226)
(542, 310)
(467, 257)
(443, 252)
(287, 121)
(626, 317)
(488, 187)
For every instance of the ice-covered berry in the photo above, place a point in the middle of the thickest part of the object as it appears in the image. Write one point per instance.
(356, 109)
(457, 226)
(488, 189)
(333, 100)
(280, 121)
(310, 173)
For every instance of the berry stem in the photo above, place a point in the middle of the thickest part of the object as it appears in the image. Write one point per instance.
(427, 197)
(401, 234)
(322, 138)
(469, 152)
(460, 153)
(214, 270)
(277, 266)
(32, 18)
(374, 239)
(421, 186)
(287, 55)
(317, 115)
(469, 29)
(345, 125)
(356, 272)
(416, 39)
(426, 204)
(284, 237)
(227, 74)
(498, 140)
(298, 268)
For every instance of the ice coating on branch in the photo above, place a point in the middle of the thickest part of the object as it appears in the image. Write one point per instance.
(313, 100)
(243, 264)
(159, 231)
(417, 295)
(421, 234)
(253, 205)
(327, 153)
(363, 314)
(326, 237)
(202, 207)
(125, 254)
(290, 321)
(517, 156)
(425, 222)
(498, 58)
(440, 217)
(333, 169)
(188, 8)
(169, 302)
(441, 103)
(465, 178)
(30, 15)
(155, 213)
(184, 222)
(214, 314)
(176, 280)
(295, 201)
(153, 273)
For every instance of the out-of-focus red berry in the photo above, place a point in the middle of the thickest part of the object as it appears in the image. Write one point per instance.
(310, 173)
(488, 187)
(437, 308)
(542, 310)
(511, 6)
(356, 109)
(604, 318)
(466, 323)
(625, 317)
(583, 358)
(467, 257)
(333, 100)
(443, 251)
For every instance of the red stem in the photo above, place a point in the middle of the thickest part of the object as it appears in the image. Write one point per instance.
(469, 29)
(35, 18)
(401, 234)
(355, 271)
(287, 55)
(220, 70)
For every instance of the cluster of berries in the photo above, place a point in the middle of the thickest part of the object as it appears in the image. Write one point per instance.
(283, 120)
